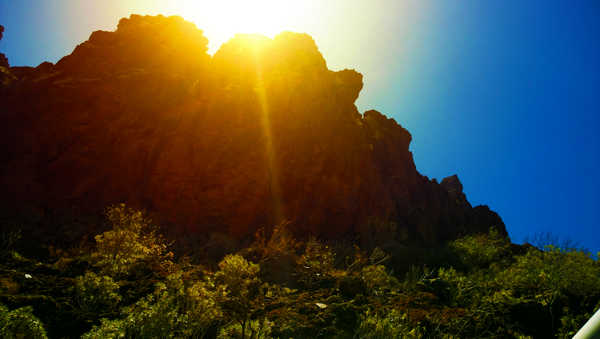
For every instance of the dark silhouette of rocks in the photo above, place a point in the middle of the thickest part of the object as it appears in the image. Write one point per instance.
(3, 59)
(452, 184)
(261, 132)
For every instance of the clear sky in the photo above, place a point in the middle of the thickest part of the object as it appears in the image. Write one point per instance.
(506, 94)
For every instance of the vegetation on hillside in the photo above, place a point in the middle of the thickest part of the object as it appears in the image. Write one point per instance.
(130, 282)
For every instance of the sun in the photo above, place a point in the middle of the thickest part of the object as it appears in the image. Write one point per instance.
(221, 20)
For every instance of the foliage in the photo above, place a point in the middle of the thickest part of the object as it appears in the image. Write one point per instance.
(8, 240)
(280, 242)
(391, 325)
(96, 294)
(480, 286)
(315, 265)
(376, 278)
(172, 311)
(481, 250)
(241, 293)
(258, 329)
(276, 253)
(555, 279)
(415, 276)
(20, 323)
(131, 240)
(238, 275)
(545, 240)
(553, 274)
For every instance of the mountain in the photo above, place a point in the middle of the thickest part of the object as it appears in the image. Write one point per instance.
(259, 133)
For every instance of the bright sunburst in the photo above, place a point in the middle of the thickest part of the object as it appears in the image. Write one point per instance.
(221, 20)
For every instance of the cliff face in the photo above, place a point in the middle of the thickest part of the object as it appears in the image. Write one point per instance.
(261, 132)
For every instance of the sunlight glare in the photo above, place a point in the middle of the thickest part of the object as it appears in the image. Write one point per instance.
(221, 20)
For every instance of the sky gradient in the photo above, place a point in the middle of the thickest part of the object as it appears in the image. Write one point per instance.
(506, 94)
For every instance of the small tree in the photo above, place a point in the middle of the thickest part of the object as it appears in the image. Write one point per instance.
(131, 240)
(241, 292)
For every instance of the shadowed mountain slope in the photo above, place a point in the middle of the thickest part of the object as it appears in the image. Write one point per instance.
(261, 132)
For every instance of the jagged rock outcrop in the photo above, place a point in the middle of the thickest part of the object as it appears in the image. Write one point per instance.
(452, 184)
(5, 75)
(3, 59)
(261, 132)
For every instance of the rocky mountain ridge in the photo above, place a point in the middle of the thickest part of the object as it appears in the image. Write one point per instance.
(259, 133)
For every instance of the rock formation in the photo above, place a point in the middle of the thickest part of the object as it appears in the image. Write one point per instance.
(261, 132)
(3, 59)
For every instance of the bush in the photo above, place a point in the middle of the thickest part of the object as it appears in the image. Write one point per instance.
(96, 295)
(8, 241)
(256, 329)
(377, 279)
(108, 329)
(281, 242)
(131, 241)
(550, 275)
(276, 254)
(315, 265)
(172, 311)
(389, 326)
(556, 280)
(20, 323)
(481, 250)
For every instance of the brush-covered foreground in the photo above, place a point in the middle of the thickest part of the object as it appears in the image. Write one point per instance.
(130, 282)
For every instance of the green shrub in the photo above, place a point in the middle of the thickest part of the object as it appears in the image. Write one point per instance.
(172, 311)
(202, 309)
(155, 316)
(108, 329)
(560, 282)
(241, 292)
(389, 326)
(377, 279)
(553, 274)
(481, 250)
(132, 240)
(20, 323)
(255, 329)
(96, 295)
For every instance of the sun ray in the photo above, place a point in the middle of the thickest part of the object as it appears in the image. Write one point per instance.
(265, 119)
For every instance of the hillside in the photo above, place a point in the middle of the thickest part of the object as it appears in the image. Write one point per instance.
(151, 190)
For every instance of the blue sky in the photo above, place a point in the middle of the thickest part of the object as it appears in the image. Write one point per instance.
(506, 94)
